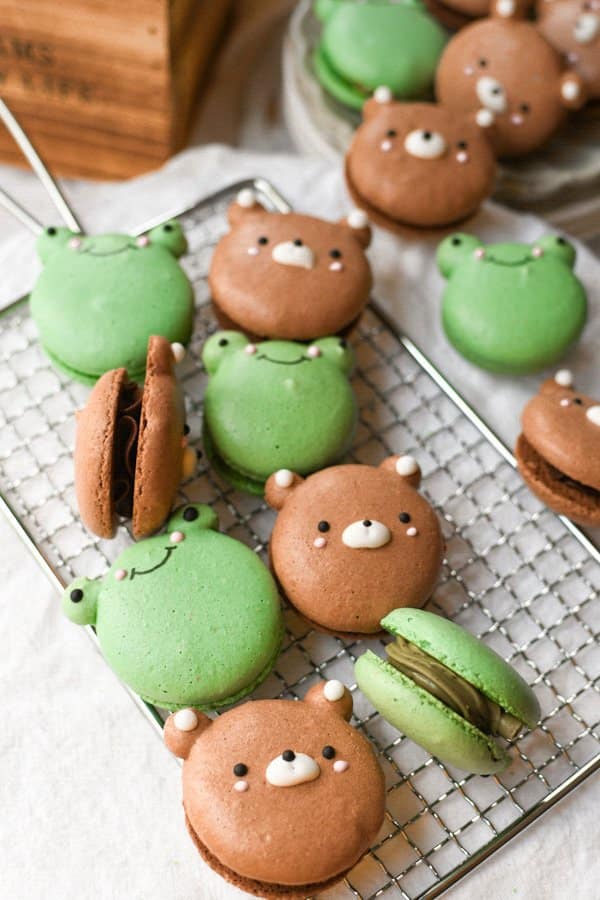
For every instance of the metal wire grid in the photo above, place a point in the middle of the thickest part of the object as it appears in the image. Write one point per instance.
(515, 575)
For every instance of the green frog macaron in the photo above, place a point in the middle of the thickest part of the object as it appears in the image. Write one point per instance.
(447, 691)
(365, 45)
(276, 405)
(186, 618)
(512, 308)
(100, 297)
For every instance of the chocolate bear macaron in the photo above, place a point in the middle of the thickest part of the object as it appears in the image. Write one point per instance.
(275, 405)
(190, 617)
(418, 164)
(505, 73)
(281, 797)
(290, 276)
(131, 451)
(511, 307)
(558, 452)
(353, 542)
(573, 28)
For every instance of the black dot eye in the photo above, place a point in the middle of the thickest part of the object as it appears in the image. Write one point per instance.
(297, 242)
(482, 63)
(462, 145)
(456, 241)
(51, 231)
(198, 454)
(240, 769)
(561, 241)
(190, 514)
(186, 429)
(578, 401)
(335, 253)
(391, 132)
(525, 107)
(223, 342)
(343, 343)
(168, 227)
(404, 517)
(323, 525)
(76, 595)
(328, 752)
(288, 755)
(263, 239)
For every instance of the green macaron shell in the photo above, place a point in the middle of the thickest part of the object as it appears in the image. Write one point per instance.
(277, 407)
(99, 298)
(198, 624)
(377, 43)
(427, 721)
(509, 307)
(464, 654)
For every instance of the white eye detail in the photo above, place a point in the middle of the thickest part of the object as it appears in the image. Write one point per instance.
(586, 28)
(593, 414)
(491, 94)
(425, 144)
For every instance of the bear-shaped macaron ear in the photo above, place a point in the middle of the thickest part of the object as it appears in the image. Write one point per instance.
(245, 206)
(281, 485)
(182, 730)
(358, 223)
(192, 517)
(337, 350)
(80, 601)
(331, 696)
(170, 236)
(508, 9)
(406, 467)
(573, 94)
(454, 250)
(221, 345)
(52, 240)
(563, 380)
(555, 245)
(382, 97)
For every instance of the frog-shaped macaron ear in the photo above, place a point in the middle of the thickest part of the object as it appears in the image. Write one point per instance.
(220, 345)
(280, 486)
(182, 730)
(325, 9)
(454, 250)
(554, 245)
(406, 467)
(331, 696)
(336, 350)
(193, 517)
(80, 601)
(170, 236)
(52, 240)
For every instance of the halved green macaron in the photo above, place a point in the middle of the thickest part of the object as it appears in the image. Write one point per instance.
(447, 691)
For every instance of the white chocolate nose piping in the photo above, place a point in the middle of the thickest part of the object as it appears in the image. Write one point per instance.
(593, 414)
(491, 94)
(367, 534)
(291, 253)
(586, 28)
(292, 768)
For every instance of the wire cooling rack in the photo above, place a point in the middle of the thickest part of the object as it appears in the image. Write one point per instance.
(516, 575)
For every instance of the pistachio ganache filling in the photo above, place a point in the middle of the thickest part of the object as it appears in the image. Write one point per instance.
(452, 690)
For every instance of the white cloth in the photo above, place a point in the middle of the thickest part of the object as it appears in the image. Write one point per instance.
(90, 800)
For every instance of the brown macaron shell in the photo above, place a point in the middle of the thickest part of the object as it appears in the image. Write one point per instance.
(559, 435)
(561, 21)
(409, 190)
(94, 454)
(348, 589)
(267, 838)
(158, 469)
(268, 298)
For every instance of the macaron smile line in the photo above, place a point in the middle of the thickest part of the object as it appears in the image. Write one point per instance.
(89, 251)
(168, 551)
(284, 362)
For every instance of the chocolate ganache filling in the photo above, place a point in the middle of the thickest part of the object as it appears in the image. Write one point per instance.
(451, 689)
(126, 440)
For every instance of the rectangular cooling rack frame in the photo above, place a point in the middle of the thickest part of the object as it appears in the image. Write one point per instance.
(523, 579)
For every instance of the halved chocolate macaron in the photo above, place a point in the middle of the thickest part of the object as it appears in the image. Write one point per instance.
(558, 452)
(131, 452)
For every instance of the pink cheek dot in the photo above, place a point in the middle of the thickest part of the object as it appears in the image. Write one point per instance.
(177, 537)
(240, 786)
(516, 119)
(120, 574)
(336, 266)
(537, 252)
(313, 351)
(250, 349)
(340, 765)
(462, 157)
(564, 402)
(479, 253)
(468, 70)
(253, 251)
(411, 532)
(320, 542)
(572, 58)
(143, 240)
(386, 146)
(75, 243)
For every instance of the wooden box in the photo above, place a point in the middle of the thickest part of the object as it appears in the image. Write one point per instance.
(105, 88)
